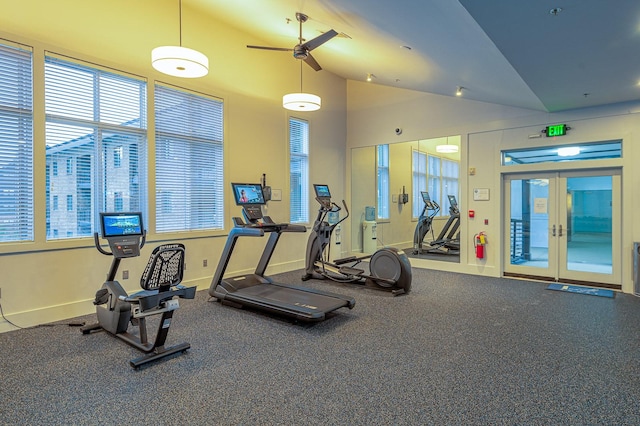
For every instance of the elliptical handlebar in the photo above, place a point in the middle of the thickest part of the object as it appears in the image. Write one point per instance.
(346, 209)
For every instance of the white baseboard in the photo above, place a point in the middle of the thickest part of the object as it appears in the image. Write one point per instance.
(78, 308)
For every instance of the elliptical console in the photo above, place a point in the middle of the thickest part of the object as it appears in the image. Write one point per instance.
(389, 268)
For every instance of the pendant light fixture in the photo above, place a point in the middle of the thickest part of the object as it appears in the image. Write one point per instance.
(301, 101)
(180, 61)
(447, 149)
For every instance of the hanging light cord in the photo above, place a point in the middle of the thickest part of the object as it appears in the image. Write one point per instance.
(180, 15)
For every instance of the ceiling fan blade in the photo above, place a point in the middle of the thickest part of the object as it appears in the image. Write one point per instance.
(283, 49)
(312, 62)
(322, 38)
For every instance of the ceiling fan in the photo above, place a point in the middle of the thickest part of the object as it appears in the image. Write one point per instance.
(302, 50)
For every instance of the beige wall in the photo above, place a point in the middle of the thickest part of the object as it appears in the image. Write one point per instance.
(48, 281)
(45, 281)
(486, 129)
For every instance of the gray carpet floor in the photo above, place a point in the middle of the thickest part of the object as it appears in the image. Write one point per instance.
(458, 349)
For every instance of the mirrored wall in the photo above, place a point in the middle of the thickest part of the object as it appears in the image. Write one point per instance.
(404, 195)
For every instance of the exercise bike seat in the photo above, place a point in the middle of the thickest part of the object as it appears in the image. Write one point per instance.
(161, 279)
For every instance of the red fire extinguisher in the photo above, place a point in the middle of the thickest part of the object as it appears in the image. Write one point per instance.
(479, 241)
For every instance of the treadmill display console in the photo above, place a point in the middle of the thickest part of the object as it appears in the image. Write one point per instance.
(248, 193)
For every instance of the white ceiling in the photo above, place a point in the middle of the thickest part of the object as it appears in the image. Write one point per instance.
(501, 51)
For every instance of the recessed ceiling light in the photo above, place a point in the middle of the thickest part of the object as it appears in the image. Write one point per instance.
(568, 151)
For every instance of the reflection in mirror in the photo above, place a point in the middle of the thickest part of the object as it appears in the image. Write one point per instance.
(389, 183)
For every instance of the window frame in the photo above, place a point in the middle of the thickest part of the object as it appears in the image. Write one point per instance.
(18, 185)
(110, 106)
(175, 137)
(299, 203)
(382, 183)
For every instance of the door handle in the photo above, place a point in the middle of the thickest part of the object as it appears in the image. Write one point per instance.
(560, 231)
(553, 230)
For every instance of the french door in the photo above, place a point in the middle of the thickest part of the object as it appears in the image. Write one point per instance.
(564, 226)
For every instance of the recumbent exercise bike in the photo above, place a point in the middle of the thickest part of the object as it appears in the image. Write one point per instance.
(160, 284)
(389, 268)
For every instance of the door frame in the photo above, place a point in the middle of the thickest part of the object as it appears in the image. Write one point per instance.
(557, 270)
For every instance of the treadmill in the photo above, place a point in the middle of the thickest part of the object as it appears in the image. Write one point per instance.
(448, 242)
(256, 290)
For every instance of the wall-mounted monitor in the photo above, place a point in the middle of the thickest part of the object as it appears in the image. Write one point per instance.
(247, 193)
(121, 224)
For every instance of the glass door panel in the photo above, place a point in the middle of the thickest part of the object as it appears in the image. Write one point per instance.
(591, 237)
(531, 212)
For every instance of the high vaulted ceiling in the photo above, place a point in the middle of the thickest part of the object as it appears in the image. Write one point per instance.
(508, 52)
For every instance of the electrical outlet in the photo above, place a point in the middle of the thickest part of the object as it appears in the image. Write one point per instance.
(204, 263)
(125, 275)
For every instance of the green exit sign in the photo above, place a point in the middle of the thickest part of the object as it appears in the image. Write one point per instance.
(556, 130)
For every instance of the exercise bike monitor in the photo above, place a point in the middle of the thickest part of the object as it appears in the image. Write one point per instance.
(425, 196)
(251, 198)
(123, 232)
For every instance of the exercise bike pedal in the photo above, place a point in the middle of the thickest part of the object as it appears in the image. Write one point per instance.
(347, 270)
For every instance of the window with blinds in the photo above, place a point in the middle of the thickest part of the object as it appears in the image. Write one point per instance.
(16, 144)
(450, 178)
(95, 145)
(383, 181)
(443, 181)
(298, 171)
(189, 161)
(419, 181)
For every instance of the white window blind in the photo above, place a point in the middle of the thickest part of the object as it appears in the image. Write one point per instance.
(435, 183)
(298, 170)
(443, 181)
(189, 161)
(450, 175)
(92, 117)
(16, 144)
(383, 181)
(419, 170)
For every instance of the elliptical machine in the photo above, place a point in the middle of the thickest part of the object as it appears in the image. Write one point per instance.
(160, 284)
(429, 211)
(389, 268)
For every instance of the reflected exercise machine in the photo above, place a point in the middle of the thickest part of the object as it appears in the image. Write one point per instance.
(389, 268)
(256, 290)
(425, 222)
(160, 284)
(448, 241)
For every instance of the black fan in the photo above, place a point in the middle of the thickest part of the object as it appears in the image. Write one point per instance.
(302, 50)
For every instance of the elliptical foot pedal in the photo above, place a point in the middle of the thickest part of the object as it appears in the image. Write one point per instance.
(351, 271)
(345, 260)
